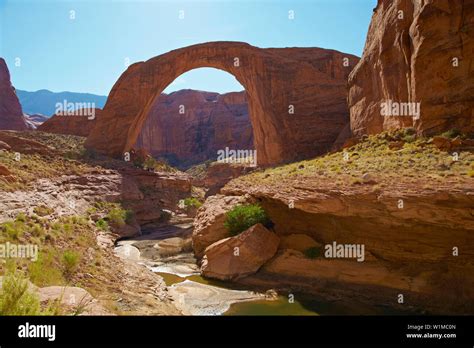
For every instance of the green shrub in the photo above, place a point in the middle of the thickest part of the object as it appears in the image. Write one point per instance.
(12, 229)
(192, 202)
(70, 260)
(409, 131)
(313, 252)
(452, 133)
(37, 230)
(43, 210)
(241, 217)
(44, 271)
(16, 298)
(409, 138)
(102, 224)
(21, 217)
(150, 163)
(119, 216)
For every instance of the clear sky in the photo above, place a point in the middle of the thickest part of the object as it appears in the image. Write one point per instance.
(86, 50)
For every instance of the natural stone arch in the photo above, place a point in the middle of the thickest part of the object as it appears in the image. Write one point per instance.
(313, 80)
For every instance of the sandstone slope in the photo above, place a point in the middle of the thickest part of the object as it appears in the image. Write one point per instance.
(79, 123)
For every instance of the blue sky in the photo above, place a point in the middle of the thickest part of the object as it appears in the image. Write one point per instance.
(89, 53)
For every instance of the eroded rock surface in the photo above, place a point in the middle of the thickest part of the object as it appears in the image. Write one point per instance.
(11, 114)
(209, 122)
(239, 256)
(420, 52)
(209, 222)
(297, 96)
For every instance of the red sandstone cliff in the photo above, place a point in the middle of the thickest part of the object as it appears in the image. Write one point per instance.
(209, 122)
(79, 123)
(416, 52)
(11, 115)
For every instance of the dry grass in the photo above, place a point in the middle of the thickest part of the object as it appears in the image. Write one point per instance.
(66, 151)
(417, 161)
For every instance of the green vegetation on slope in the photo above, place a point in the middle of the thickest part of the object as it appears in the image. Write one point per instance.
(392, 157)
(241, 217)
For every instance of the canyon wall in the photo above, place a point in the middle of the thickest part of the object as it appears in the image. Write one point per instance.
(420, 52)
(208, 122)
(11, 114)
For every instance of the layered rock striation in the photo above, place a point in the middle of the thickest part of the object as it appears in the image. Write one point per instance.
(416, 52)
(188, 126)
(297, 96)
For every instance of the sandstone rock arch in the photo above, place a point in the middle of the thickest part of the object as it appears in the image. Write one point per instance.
(312, 80)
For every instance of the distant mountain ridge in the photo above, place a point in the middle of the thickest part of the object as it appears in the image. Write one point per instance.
(44, 101)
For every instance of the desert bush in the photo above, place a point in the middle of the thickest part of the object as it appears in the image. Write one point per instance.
(452, 133)
(15, 296)
(241, 217)
(70, 261)
(102, 225)
(42, 210)
(13, 230)
(119, 216)
(150, 163)
(44, 271)
(192, 202)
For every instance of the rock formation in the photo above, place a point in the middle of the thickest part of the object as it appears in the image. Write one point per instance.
(79, 123)
(209, 222)
(254, 246)
(35, 120)
(215, 175)
(422, 235)
(209, 122)
(297, 96)
(416, 53)
(11, 115)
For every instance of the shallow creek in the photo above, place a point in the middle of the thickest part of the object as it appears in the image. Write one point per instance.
(166, 250)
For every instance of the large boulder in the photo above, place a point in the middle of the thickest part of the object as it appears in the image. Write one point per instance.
(240, 256)
(416, 52)
(209, 221)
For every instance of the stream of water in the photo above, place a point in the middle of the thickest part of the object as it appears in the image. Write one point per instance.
(161, 251)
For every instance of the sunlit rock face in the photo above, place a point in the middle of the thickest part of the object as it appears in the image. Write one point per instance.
(297, 97)
(416, 52)
(79, 122)
(189, 126)
(11, 115)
